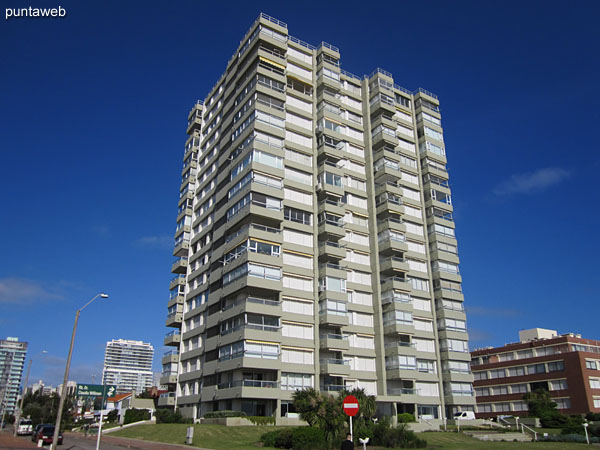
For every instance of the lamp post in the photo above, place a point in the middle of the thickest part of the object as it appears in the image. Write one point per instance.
(20, 410)
(587, 436)
(63, 392)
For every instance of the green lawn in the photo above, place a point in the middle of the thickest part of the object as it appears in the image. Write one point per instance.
(218, 437)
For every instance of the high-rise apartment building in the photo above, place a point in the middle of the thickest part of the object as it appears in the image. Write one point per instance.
(315, 241)
(128, 365)
(12, 361)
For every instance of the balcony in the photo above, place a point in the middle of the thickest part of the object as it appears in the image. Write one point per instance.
(334, 342)
(178, 280)
(333, 318)
(167, 400)
(168, 378)
(394, 327)
(180, 265)
(335, 367)
(173, 338)
(171, 356)
(332, 269)
(181, 248)
(332, 206)
(176, 299)
(332, 249)
(333, 387)
(395, 283)
(174, 319)
(393, 264)
(331, 229)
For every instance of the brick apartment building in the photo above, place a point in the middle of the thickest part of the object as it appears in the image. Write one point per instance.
(567, 366)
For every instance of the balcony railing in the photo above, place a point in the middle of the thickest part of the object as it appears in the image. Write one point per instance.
(333, 387)
(403, 391)
(333, 336)
(250, 383)
(341, 362)
(172, 333)
(251, 327)
(171, 353)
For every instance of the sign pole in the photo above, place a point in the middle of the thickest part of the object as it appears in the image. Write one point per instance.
(101, 411)
(351, 435)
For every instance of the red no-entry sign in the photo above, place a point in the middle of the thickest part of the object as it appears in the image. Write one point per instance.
(350, 405)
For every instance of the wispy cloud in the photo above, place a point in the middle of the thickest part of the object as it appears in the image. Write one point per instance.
(161, 242)
(54, 369)
(483, 311)
(24, 291)
(532, 182)
(479, 337)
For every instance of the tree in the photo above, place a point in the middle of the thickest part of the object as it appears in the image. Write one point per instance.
(540, 404)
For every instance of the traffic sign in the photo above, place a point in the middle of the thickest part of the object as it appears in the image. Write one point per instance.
(96, 390)
(350, 405)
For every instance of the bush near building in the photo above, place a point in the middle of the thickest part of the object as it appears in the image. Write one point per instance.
(136, 415)
(164, 415)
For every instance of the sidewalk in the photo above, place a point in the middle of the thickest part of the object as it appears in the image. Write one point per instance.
(10, 442)
(138, 443)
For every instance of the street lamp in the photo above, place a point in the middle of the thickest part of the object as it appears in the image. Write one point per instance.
(63, 392)
(20, 410)
(587, 436)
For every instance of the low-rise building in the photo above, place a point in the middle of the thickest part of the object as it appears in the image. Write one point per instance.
(567, 366)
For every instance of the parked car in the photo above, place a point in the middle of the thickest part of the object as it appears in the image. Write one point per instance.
(37, 428)
(46, 434)
(464, 415)
(25, 427)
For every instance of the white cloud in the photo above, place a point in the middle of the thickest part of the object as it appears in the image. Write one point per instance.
(162, 242)
(532, 182)
(24, 291)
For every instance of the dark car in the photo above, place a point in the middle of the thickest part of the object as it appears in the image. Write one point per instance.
(46, 434)
(37, 428)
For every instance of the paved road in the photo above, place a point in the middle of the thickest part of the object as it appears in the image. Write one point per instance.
(76, 441)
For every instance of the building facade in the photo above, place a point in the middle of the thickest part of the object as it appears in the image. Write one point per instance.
(12, 362)
(567, 366)
(128, 365)
(315, 242)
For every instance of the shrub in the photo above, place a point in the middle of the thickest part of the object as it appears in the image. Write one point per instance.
(165, 415)
(593, 417)
(405, 418)
(224, 413)
(569, 438)
(136, 415)
(574, 425)
(112, 416)
(268, 439)
(261, 420)
(284, 438)
(308, 438)
(396, 437)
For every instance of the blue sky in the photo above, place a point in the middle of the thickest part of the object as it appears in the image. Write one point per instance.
(93, 115)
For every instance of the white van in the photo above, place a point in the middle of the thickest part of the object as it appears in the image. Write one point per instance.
(464, 415)
(25, 427)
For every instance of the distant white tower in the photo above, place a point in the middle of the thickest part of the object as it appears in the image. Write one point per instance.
(128, 365)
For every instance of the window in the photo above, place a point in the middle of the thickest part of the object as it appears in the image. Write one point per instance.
(361, 341)
(428, 389)
(455, 345)
(516, 371)
(298, 139)
(297, 215)
(297, 330)
(300, 283)
(296, 381)
(556, 366)
(498, 373)
(298, 157)
(298, 176)
(297, 356)
(361, 319)
(536, 368)
(400, 362)
(480, 375)
(484, 407)
(524, 354)
(424, 345)
(418, 283)
(559, 385)
(562, 403)
(426, 366)
(298, 196)
(364, 364)
(518, 388)
(336, 307)
(332, 284)
(423, 325)
(360, 298)
(520, 406)
(591, 364)
(398, 317)
(595, 383)
(297, 306)
(499, 390)
(298, 237)
(297, 259)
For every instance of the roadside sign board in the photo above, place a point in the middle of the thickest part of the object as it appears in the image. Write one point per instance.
(350, 405)
(96, 390)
